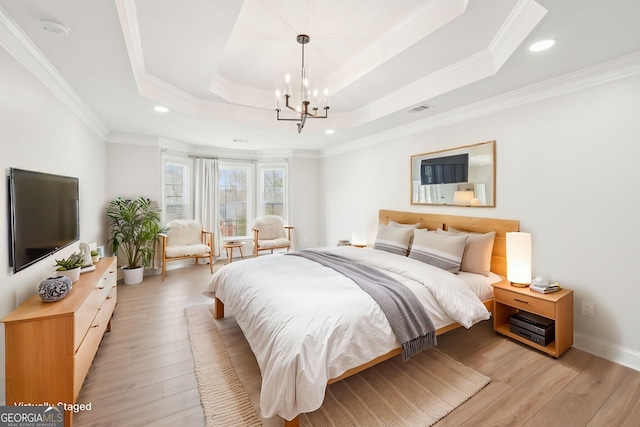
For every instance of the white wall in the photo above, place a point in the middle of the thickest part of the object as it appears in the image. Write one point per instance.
(134, 171)
(38, 132)
(306, 207)
(567, 168)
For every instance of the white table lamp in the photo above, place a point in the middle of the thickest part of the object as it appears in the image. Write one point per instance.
(519, 258)
(462, 197)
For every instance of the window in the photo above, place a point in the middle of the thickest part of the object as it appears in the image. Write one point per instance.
(177, 200)
(272, 197)
(234, 191)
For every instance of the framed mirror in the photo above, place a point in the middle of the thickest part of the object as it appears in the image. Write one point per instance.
(463, 176)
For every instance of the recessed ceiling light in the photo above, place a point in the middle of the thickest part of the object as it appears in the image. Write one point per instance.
(542, 45)
(329, 131)
(55, 28)
(161, 109)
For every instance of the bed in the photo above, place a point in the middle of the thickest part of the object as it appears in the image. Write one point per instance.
(310, 326)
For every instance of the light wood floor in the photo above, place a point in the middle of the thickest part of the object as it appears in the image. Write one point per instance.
(143, 373)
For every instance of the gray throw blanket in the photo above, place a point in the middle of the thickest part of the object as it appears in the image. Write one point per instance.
(406, 315)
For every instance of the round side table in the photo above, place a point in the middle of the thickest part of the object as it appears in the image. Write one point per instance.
(229, 247)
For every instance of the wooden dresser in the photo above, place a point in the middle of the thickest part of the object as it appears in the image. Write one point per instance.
(50, 345)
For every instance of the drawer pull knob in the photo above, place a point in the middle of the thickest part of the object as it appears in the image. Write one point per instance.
(100, 287)
(95, 326)
(519, 300)
(108, 297)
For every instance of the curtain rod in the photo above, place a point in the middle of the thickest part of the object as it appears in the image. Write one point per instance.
(221, 158)
(232, 159)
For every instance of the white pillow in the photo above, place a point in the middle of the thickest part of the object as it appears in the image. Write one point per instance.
(399, 224)
(393, 239)
(477, 251)
(440, 250)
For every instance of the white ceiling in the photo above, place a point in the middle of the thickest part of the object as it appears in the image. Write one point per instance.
(216, 64)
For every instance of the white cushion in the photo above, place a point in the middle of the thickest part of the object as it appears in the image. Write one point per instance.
(269, 227)
(393, 239)
(441, 250)
(477, 251)
(188, 250)
(182, 232)
(280, 242)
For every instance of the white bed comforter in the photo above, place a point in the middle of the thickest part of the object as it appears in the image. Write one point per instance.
(306, 323)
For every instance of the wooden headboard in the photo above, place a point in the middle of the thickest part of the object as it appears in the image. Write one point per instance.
(466, 223)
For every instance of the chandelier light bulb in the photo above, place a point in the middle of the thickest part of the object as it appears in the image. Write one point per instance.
(287, 84)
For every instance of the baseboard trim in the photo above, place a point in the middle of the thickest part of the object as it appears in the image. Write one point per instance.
(607, 350)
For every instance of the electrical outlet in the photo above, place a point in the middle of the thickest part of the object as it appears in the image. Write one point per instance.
(588, 308)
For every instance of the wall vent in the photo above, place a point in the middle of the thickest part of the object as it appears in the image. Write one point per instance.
(419, 108)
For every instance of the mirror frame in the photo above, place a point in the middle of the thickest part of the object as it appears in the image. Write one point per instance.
(485, 148)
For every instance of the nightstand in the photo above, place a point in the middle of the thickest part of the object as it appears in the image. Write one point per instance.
(557, 306)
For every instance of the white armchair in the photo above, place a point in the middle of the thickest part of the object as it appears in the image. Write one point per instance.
(186, 239)
(269, 233)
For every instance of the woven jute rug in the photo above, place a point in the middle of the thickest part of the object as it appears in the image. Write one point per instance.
(418, 392)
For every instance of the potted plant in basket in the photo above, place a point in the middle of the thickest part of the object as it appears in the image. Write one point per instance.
(133, 227)
(70, 266)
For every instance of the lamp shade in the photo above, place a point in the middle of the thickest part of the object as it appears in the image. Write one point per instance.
(462, 197)
(519, 257)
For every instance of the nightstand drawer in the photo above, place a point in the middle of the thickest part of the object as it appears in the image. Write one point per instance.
(526, 302)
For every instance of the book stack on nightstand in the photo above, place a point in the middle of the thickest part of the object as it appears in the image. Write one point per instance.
(545, 287)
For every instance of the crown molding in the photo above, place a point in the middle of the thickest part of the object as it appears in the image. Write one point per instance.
(428, 18)
(246, 102)
(16, 42)
(524, 17)
(132, 139)
(482, 64)
(620, 68)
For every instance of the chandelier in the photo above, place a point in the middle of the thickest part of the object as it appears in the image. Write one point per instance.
(308, 107)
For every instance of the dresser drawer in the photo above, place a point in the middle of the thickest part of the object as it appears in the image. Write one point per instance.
(83, 318)
(106, 310)
(526, 302)
(107, 281)
(84, 356)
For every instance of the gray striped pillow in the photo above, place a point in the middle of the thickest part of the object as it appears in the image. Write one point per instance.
(393, 239)
(440, 250)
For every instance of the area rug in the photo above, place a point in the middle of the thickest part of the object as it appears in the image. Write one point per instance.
(418, 392)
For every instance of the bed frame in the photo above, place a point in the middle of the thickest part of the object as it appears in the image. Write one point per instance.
(431, 222)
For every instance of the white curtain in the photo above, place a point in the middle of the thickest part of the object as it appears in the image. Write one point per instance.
(206, 198)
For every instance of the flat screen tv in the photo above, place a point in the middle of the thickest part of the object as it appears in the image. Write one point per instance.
(445, 170)
(43, 215)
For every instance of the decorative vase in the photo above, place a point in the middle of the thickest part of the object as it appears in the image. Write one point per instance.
(133, 276)
(54, 288)
(73, 274)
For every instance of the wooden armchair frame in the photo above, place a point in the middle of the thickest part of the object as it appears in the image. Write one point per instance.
(288, 228)
(206, 238)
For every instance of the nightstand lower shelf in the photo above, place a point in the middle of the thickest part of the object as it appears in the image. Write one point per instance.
(549, 348)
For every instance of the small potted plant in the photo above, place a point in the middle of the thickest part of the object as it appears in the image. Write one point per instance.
(70, 266)
(95, 256)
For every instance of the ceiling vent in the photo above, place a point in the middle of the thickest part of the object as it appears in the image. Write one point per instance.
(419, 108)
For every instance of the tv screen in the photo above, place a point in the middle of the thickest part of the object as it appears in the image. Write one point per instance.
(44, 215)
(445, 170)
